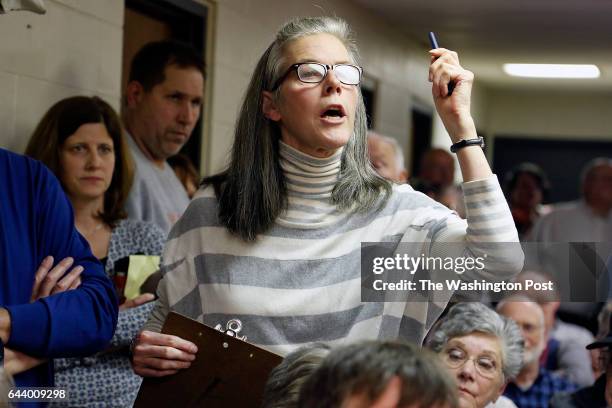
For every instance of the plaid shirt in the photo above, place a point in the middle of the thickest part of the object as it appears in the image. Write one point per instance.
(539, 394)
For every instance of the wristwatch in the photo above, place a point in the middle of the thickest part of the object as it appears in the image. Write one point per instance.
(479, 141)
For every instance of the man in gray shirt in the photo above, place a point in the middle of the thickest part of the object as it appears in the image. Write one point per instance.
(162, 105)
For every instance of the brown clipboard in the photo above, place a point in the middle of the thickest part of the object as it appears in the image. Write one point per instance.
(227, 372)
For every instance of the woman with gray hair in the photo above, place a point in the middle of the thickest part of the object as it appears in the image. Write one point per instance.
(493, 343)
(275, 239)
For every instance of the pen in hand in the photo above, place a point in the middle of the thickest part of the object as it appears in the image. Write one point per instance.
(434, 44)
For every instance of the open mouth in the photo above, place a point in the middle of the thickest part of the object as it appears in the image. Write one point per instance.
(333, 111)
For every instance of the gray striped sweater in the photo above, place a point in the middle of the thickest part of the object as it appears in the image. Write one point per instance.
(300, 282)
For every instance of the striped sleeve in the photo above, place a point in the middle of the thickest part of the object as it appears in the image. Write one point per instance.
(488, 233)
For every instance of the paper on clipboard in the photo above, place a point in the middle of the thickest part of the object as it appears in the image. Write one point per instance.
(227, 372)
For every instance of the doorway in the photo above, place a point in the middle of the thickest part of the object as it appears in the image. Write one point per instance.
(420, 138)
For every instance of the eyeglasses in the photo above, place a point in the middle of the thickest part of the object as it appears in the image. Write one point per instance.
(313, 73)
(456, 357)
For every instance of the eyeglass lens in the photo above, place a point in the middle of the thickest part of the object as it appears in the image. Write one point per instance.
(456, 358)
(313, 73)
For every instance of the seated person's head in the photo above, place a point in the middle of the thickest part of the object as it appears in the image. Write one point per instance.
(283, 386)
(604, 347)
(597, 183)
(386, 157)
(481, 349)
(530, 319)
(378, 375)
(437, 168)
(80, 139)
(548, 300)
(526, 185)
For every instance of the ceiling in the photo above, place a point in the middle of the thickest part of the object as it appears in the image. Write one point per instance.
(489, 33)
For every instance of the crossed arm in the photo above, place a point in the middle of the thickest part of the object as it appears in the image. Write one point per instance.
(48, 280)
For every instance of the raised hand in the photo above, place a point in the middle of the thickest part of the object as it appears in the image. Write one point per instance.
(454, 109)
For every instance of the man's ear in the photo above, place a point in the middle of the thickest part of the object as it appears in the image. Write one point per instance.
(269, 108)
(134, 93)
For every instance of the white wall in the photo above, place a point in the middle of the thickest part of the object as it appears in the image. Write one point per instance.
(548, 114)
(75, 48)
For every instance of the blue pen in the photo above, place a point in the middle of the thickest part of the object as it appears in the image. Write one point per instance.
(432, 40)
(434, 45)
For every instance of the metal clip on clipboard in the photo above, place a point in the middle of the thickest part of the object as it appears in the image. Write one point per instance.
(232, 328)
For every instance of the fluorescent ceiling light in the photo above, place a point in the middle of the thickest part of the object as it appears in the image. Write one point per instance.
(552, 70)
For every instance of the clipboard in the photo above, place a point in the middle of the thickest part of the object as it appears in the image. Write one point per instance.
(227, 372)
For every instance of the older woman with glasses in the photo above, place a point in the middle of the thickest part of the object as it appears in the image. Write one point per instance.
(275, 239)
(482, 350)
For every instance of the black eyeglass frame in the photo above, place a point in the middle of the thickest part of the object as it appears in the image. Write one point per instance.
(295, 67)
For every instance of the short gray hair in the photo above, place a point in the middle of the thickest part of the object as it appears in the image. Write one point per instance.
(470, 317)
(284, 383)
(397, 149)
(522, 298)
(588, 168)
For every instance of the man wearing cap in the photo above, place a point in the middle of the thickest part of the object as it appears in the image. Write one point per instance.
(599, 395)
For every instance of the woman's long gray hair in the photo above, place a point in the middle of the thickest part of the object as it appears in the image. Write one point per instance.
(252, 190)
(470, 317)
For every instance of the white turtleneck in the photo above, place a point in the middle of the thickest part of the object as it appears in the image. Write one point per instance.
(310, 181)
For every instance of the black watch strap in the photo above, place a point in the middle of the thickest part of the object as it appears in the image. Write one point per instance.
(479, 141)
